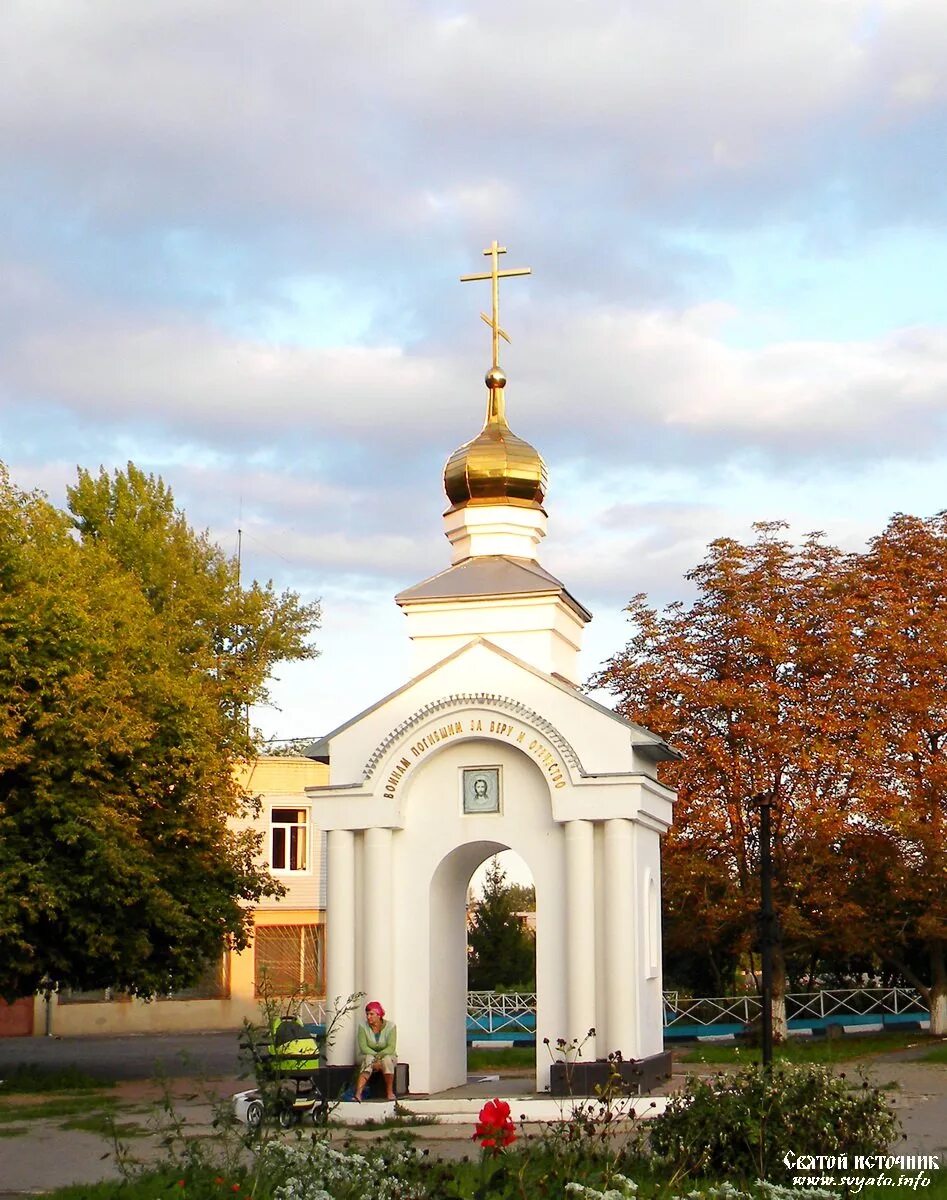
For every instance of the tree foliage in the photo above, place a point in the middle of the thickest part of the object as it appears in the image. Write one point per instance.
(897, 855)
(128, 654)
(502, 949)
(522, 897)
(819, 678)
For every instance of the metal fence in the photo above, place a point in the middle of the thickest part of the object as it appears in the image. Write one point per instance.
(497, 1015)
(490, 1015)
(838, 1006)
(512, 1016)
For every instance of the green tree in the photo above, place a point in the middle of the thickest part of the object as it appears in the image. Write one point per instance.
(502, 949)
(128, 654)
(522, 897)
(233, 634)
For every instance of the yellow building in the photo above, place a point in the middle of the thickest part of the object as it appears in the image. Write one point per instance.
(288, 945)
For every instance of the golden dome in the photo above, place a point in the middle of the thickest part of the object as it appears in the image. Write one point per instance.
(497, 467)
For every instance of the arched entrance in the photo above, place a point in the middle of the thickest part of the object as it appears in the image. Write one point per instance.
(448, 949)
(445, 845)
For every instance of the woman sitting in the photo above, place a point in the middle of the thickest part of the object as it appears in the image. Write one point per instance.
(377, 1049)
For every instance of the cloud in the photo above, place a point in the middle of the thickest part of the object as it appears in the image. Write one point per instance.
(590, 381)
(230, 236)
(204, 383)
(398, 116)
(668, 383)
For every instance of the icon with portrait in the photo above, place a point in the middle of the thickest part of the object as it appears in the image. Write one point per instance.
(482, 790)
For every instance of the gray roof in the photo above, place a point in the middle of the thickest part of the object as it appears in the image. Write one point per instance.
(644, 741)
(491, 575)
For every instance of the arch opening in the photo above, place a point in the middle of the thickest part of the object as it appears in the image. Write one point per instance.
(449, 933)
(501, 966)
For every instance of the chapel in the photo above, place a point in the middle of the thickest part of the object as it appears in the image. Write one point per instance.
(493, 745)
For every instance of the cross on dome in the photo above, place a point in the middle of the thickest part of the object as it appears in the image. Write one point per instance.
(496, 467)
(495, 275)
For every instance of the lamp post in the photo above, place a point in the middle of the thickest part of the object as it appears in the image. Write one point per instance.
(764, 801)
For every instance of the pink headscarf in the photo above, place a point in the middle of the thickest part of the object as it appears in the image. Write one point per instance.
(374, 1006)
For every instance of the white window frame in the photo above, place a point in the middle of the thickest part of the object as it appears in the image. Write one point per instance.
(286, 828)
(652, 927)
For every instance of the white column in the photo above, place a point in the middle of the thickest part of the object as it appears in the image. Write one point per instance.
(378, 928)
(340, 940)
(620, 968)
(580, 933)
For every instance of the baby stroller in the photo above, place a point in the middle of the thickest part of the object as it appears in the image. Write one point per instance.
(287, 1064)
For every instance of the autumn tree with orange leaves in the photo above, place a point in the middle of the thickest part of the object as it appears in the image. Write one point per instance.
(897, 852)
(749, 682)
(821, 679)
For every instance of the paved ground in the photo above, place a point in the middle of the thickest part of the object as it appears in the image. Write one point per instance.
(142, 1056)
(202, 1068)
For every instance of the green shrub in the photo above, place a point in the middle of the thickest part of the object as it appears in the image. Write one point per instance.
(741, 1125)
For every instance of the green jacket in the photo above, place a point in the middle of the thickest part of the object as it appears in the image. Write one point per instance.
(382, 1045)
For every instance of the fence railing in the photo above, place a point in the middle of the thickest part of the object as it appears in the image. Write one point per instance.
(495, 1015)
(490, 1014)
(802, 1007)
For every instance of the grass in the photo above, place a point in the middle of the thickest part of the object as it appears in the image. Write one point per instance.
(45, 1110)
(34, 1079)
(409, 1121)
(105, 1125)
(810, 1050)
(938, 1054)
(509, 1058)
(156, 1185)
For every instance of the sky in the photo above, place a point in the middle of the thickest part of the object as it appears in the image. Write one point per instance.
(231, 236)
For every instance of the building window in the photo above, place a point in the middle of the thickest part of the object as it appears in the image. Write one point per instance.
(653, 919)
(289, 839)
(213, 984)
(103, 995)
(289, 960)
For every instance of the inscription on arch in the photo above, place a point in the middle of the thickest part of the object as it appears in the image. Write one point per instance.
(497, 726)
(483, 700)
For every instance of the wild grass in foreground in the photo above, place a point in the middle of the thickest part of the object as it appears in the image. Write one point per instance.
(707, 1144)
(160, 1185)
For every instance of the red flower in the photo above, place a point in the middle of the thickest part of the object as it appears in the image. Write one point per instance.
(495, 1129)
(180, 1183)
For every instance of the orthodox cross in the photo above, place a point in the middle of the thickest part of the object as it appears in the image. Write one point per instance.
(495, 275)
